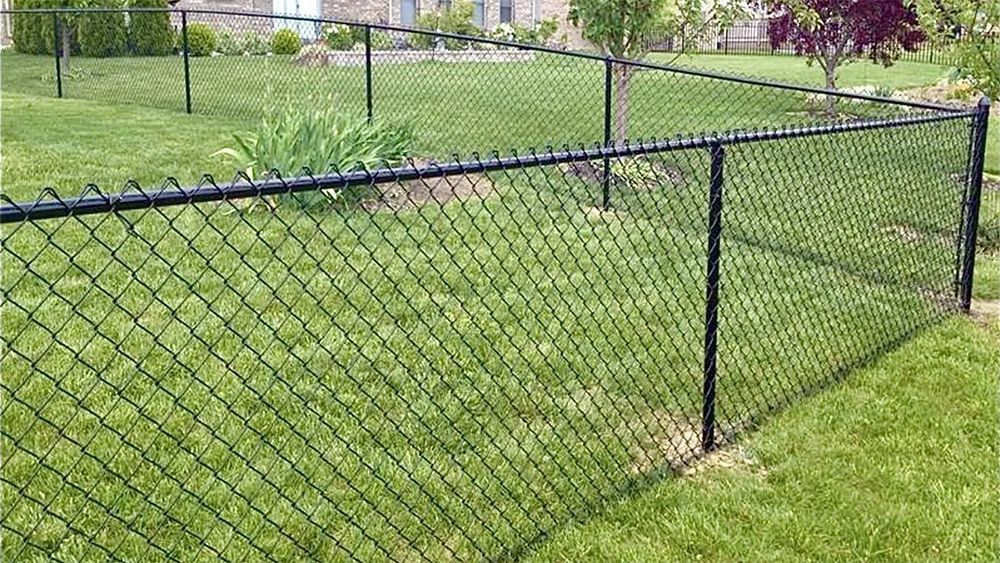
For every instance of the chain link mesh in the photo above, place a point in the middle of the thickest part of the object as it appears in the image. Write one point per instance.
(452, 359)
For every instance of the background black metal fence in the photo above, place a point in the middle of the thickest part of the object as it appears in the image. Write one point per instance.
(456, 358)
(460, 94)
(750, 37)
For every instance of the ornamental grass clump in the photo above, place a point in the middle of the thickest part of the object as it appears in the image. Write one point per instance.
(315, 137)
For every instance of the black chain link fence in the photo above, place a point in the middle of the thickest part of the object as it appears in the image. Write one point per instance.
(750, 37)
(450, 360)
(459, 94)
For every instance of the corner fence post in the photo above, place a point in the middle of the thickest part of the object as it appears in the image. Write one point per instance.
(368, 72)
(718, 153)
(56, 44)
(606, 199)
(971, 217)
(187, 63)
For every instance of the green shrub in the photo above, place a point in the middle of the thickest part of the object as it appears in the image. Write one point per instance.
(313, 135)
(150, 33)
(249, 42)
(457, 20)
(286, 42)
(228, 43)
(382, 41)
(338, 37)
(32, 33)
(539, 34)
(200, 39)
(255, 44)
(103, 34)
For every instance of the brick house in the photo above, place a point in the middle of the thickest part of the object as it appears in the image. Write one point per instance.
(486, 13)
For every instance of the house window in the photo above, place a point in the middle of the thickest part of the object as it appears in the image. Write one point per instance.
(444, 5)
(479, 13)
(408, 12)
(506, 11)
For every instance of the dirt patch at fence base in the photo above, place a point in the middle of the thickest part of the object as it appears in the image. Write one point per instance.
(985, 312)
(645, 176)
(674, 441)
(414, 194)
(905, 233)
(668, 439)
(911, 235)
(734, 457)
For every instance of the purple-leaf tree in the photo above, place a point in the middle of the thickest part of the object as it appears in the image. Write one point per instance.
(833, 33)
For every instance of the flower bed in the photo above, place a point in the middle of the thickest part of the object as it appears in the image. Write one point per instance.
(325, 57)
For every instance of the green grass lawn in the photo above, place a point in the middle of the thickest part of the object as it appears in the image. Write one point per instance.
(897, 464)
(484, 107)
(454, 379)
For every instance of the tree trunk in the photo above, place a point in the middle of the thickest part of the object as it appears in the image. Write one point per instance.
(830, 67)
(67, 44)
(623, 85)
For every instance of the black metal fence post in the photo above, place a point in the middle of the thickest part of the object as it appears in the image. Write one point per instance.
(712, 298)
(368, 72)
(187, 63)
(606, 199)
(975, 192)
(55, 49)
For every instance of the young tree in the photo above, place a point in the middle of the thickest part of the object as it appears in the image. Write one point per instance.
(68, 24)
(976, 26)
(833, 33)
(626, 29)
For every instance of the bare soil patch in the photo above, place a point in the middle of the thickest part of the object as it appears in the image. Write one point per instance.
(414, 194)
(669, 439)
(985, 312)
(639, 174)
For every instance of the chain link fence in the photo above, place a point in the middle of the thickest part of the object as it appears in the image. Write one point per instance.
(751, 37)
(458, 93)
(449, 360)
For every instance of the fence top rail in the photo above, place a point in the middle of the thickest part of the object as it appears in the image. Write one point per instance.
(747, 81)
(50, 205)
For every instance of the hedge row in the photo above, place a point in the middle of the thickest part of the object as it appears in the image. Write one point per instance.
(106, 34)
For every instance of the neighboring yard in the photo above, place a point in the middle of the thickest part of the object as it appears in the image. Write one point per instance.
(472, 106)
(914, 433)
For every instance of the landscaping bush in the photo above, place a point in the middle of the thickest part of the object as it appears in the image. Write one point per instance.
(201, 39)
(255, 44)
(457, 20)
(103, 34)
(382, 41)
(150, 33)
(228, 43)
(286, 42)
(31, 33)
(314, 135)
(540, 34)
(338, 37)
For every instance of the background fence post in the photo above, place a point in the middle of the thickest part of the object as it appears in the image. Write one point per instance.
(57, 43)
(606, 199)
(975, 193)
(718, 153)
(368, 72)
(187, 64)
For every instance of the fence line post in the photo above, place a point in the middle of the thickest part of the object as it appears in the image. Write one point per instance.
(606, 199)
(55, 49)
(718, 153)
(187, 64)
(368, 72)
(975, 192)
